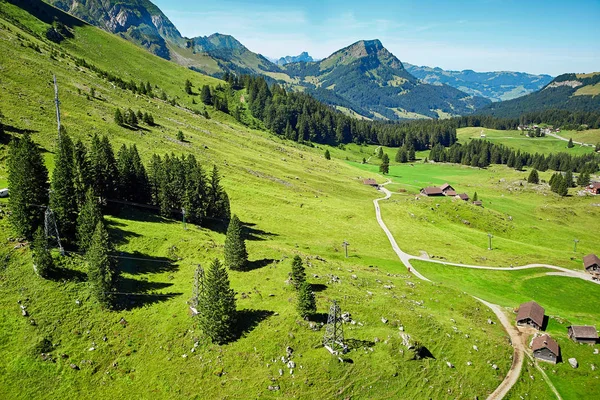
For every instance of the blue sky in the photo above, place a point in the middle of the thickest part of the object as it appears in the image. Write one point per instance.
(549, 36)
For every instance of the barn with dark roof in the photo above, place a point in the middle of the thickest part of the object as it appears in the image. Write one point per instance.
(545, 348)
(531, 314)
(583, 334)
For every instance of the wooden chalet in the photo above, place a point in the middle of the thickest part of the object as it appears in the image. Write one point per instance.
(447, 187)
(591, 263)
(531, 314)
(583, 334)
(478, 203)
(545, 348)
(593, 188)
(432, 191)
(450, 193)
(370, 182)
(462, 196)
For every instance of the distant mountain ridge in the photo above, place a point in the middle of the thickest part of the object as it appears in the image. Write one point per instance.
(571, 92)
(302, 57)
(496, 86)
(371, 81)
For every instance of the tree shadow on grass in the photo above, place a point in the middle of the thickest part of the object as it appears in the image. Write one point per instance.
(133, 293)
(254, 234)
(248, 319)
(67, 274)
(319, 317)
(354, 344)
(317, 287)
(120, 236)
(257, 264)
(138, 263)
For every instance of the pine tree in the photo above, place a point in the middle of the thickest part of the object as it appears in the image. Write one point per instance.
(63, 198)
(206, 96)
(563, 188)
(569, 179)
(28, 185)
(298, 273)
(475, 197)
(307, 304)
(327, 155)
(236, 256)
(119, 120)
(583, 179)
(105, 175)
(188, 86)
(101, 273)
(379, 152)
(216, 305)
(82, 172)
(180, 136)
(570, 145)
(518, 163)
(87, 221)
(533, 177)
(42, 259)
(217, 200)
(384, 168)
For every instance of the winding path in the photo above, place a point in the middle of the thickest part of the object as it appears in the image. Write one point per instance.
(516, 337)
(566, 140)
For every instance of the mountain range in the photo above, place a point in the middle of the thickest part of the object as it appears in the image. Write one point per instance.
(363, 79)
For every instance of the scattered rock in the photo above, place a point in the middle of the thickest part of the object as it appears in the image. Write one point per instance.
(123, 322)
(475, 348)
(489, 321)
(291, 364)
(24, 313)
(354, 276)
(494, 366)
(92, 348)
(593, 367)
(271, 295)
(384, 320)
(273, 388)
(573, 362)
(74, 366)
(291, 371)
(388, 286)
(469, 363)
(280, 372)
(78, 302)
(376, 340)
(449, 364)
(596, 351)
(289, 351)
(346, 317)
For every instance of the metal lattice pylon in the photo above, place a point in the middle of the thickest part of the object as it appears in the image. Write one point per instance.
(51, 230)
(198, 288)
(334, 332)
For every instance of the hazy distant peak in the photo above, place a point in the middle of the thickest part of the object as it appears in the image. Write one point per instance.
(302, 57)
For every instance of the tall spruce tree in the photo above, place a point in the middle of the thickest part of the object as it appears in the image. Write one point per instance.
(298, 272)
(384, 168)
(82, 172)
(570, 145)
(533, 177)
(101, 272)
(236, 256)
(104, 168)
(206, 96)
(562, 187)
(583, 179)
(42, 259)
(216, 305)
(307, 304)
(217, 199)
(63, 197)
(569, 179)
(28, 185)
(327, 155)
(87, 221)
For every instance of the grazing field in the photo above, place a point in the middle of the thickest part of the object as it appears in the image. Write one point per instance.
(291, 200)
(518, 141)
(530, 224)
(590, 136)
(564, 304)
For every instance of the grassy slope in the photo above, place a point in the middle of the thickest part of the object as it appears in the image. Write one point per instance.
(299, 203)
(560, 296)
(591, 136)
(518, 141)
(530, 224)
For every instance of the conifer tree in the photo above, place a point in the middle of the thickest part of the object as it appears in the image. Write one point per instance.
(206, 96)
(384, 168)
(82, 173)
(533, 177)
(87, 221)
(570, 145)
(105, 175)
(217, 200)
(475, 197)
(180, 136)
(28, 185)
(63, 198)
(42, 259)
(216, 305)
(101, 272)
(379, 152)
(327, 155)
(307, 304)
(569, 179)
(236, 256)
(563, 188)
(298, 272)
(583, 179)
(119, 120)
(188, 86)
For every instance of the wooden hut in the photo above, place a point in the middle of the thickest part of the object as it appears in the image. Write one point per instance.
(583, 334)
(432, 191)
(591, 263)
(545, 348)
(531, 314)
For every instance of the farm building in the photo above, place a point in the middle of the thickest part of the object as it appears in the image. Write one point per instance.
(583, 334)
(450, 193)
(545, 348)
(3, 192)
(463, 196)
(478, 203)
(531, 314)
(432, 191)
(591, 263)
(593, 188)
(447, 187)
(370, 182)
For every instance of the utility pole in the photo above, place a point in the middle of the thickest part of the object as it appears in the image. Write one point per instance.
(490, 236)
(346, 244)
(57, 102)
(575, 247)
